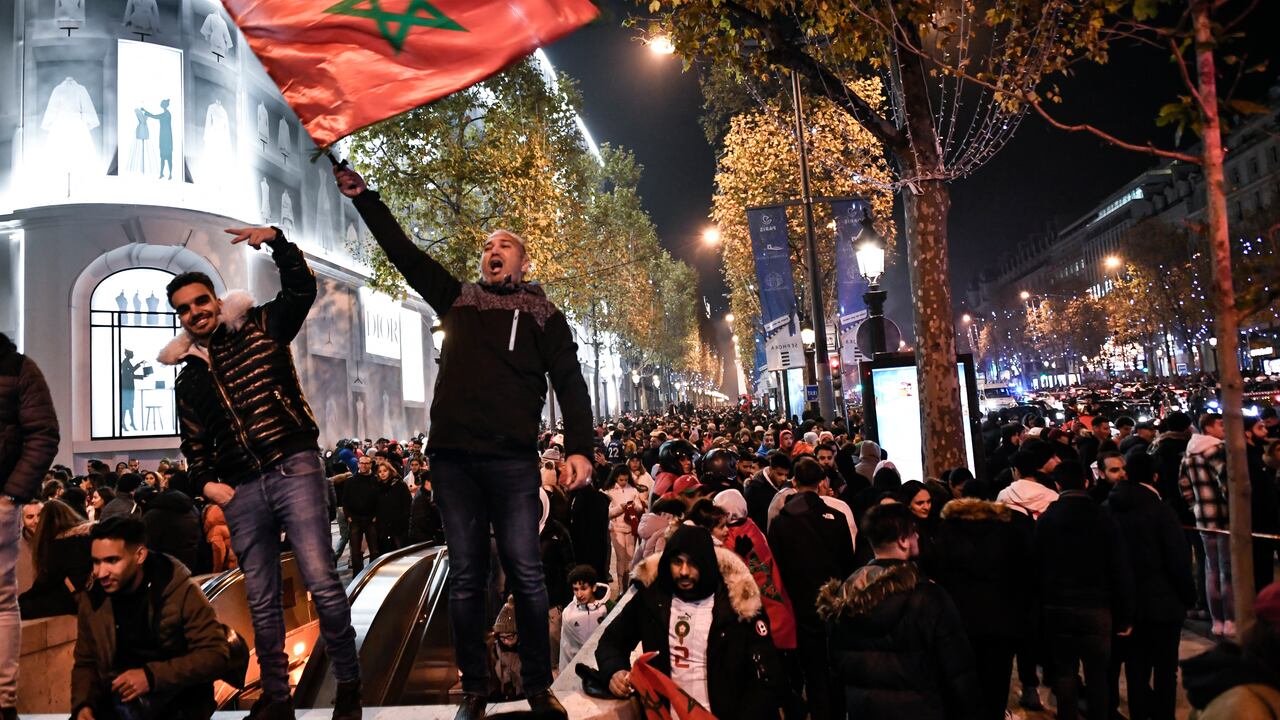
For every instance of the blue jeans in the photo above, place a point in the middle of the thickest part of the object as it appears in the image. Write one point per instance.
(292, 496)
(1217, 576)
(474, 493)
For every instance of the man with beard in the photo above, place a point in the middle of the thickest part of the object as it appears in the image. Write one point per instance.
(698, 607)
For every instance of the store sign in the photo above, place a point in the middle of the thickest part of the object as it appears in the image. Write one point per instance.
(381, 316)
(897, 407)
(412, 376)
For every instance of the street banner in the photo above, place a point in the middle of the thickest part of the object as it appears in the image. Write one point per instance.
(346, 64)
(768, 228)
(850, 285)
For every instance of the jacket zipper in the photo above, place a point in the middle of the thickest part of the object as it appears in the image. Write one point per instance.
(235, 419)
(287, 409)
(515, 321)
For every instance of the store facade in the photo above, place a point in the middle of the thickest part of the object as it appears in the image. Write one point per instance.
(131, 135)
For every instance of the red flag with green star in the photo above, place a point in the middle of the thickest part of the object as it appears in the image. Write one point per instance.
(346, 64)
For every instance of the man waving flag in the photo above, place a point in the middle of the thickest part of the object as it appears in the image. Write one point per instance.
(346, 64)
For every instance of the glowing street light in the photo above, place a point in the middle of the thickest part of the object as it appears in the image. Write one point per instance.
(729, 318)
(711, 236)
(1111, 262)
(807, 336)
(966, 318)
(1024, 295)
(661, 45)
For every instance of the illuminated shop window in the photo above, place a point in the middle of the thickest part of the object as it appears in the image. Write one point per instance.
(131, 394)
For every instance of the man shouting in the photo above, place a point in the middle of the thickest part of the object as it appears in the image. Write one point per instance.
(502, 339)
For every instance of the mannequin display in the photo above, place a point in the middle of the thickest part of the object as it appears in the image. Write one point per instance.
(361, 421)
(137, 309)
(265, 203)
(152, 302)
(324, 221)
(264, 130)
(286, 213)
(142, 17)
(166, 136)
(217, 142)
(142, 149)
(67, 122)
(283, 140)
(68, 14)
(122, 302)
(214, 30)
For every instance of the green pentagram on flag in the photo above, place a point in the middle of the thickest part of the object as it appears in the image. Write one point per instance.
(395, 26)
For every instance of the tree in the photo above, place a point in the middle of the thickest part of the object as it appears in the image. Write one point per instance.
(757, 166)
(917, 46)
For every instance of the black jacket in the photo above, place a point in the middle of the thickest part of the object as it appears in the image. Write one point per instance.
(897, 645)
(759, 492)
(589, 527)
(811, 545)
(70, 562)
(501, 343)
(28, 424)
(744, 673)
(241, 410)
(1168, 450)
(555, 547)
(174, 527)
(392, 515)
(1157, 551)
(360, 497)
(980, 557)
(425, 524)
(1079, 560)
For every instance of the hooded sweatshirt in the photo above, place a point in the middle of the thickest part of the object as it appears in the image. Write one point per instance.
(1202, 480)
(1027, 497)
(868, 458)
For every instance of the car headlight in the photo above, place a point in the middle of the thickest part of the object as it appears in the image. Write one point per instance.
(1214, 404)
(1144, 418)
(1251, 411)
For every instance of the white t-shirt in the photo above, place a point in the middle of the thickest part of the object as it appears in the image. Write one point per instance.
(687, 639)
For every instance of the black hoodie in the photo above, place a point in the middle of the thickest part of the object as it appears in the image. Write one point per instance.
(174, 527)
(1157, 552)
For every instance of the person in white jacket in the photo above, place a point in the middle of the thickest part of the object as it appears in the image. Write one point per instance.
(583, 615)
(1030, 494)
(626, 505)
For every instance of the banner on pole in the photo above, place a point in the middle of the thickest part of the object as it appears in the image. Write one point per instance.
(768, 227)
(850, 285)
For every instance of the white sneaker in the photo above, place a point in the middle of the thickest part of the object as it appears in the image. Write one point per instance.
(1229, 628)
(1217, 628)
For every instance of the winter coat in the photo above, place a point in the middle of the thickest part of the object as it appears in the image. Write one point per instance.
(218, 534)
(652, 532)
(1028, 497)
(192, 643)
(981, 558)
(744, 673)
(392, 515)
(1079, 560)
(122, 505)
(897, 645)
(1159, 559)
(555, 548)
(759, 492)
(510, 338)
(360, 497)
(868, 457)
(589, 527)
(749, 543)
(241, 408)
(811, 545)
(1168, 450)
(1202, 480)
(425, 524)
(173, 527)
(28, 424)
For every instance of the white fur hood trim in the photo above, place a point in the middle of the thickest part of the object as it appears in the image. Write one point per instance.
(744, 594)
(235, 306)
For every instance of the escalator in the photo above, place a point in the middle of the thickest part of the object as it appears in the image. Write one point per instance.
(400, 612)
(226, 593)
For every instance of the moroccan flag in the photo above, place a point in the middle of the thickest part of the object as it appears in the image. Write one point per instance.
(661, 698)
(346, 64)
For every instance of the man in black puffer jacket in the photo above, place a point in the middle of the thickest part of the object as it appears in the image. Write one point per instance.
(503, 340)
(251, 441)
(1160, 563)
(173, 525)
(28, 444)
(895, 639)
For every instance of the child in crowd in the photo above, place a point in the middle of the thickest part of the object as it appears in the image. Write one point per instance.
(583, 615)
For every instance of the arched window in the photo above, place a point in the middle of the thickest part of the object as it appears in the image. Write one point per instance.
(131, 395)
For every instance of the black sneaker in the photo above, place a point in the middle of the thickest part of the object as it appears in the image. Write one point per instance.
(267, 709)
(346, 706)
(545, 705)
(473, 707)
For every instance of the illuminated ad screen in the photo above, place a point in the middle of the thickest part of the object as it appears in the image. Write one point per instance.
(897, 418)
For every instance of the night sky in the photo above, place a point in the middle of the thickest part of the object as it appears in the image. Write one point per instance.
(645, 103)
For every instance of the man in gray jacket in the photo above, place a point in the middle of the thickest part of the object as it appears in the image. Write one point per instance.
(28, 443)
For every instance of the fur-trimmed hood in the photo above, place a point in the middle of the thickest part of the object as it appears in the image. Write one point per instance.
(976, 509)
(235, 306)
(868, 587)
(744, 594)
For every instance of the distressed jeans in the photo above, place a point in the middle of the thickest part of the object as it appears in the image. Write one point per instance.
(291, 496)
(474, 493)
(10, 622)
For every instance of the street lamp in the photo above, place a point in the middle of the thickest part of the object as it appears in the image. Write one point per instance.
(729, 318)
(1111, 262)
(661, 45)
(711, 236)
(1024, 295)
(807, 336)
(870, 254)
(437, 335)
